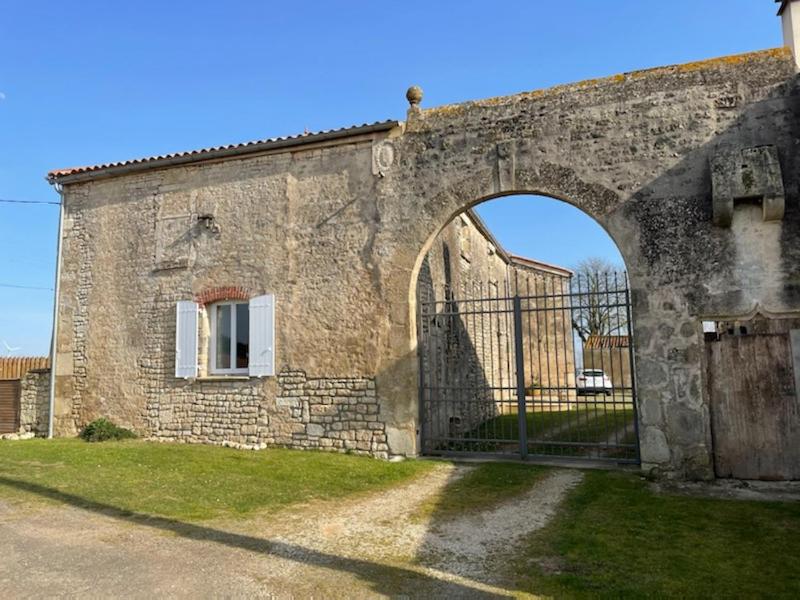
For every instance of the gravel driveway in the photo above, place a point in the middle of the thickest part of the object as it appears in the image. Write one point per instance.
(371, 546)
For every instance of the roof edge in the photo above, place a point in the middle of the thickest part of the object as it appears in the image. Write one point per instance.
(780, 52)
(79, 174)
(540, 265)
(484, 230)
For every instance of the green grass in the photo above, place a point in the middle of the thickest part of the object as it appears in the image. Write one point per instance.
(484, 487)
(615, 538)
(588, 425)
(190, 482)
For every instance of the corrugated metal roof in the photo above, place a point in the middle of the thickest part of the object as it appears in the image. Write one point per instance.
(607, 341)
(72, 174)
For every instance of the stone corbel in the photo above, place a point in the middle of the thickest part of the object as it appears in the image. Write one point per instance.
(746, 174)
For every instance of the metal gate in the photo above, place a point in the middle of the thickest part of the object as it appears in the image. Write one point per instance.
(544, 371)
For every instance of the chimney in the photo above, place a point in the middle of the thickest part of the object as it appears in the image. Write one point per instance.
(789, 12)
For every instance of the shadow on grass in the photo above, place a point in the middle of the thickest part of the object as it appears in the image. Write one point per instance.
(382, 578)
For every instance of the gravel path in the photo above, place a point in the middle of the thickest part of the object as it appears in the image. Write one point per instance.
(373, 546)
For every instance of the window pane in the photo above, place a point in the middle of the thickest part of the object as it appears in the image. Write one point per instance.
(223, 341)
(242, 336)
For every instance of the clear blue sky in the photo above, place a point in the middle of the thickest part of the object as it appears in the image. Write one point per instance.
(84, 82)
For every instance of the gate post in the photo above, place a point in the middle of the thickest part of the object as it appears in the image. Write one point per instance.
(519, 360)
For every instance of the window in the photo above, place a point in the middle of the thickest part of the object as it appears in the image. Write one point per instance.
(241, 340)
(230, 338)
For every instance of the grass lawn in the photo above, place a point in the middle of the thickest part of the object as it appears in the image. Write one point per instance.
(190, 482)
(583, 425)
(615, 538)
(612, 537)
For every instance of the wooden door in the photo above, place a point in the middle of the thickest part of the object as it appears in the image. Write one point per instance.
(754, 406)
(9, 406)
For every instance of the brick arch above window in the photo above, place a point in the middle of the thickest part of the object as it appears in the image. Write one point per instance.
(217, 294)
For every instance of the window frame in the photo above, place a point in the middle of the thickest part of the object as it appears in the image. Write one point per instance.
(212, 347)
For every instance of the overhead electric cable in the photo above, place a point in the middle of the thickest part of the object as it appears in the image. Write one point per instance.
(25, 287)
(8, 201)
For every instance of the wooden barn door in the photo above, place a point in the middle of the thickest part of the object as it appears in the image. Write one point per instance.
(9, 406)
(754, 406)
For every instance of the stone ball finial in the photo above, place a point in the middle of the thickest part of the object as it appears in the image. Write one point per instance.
(414, 95)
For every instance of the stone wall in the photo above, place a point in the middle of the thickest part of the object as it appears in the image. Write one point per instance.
(330, 414)
(547, 334)
(466, 264)
(35, 402)
(464, 363)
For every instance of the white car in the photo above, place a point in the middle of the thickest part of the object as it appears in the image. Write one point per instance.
(593, 381)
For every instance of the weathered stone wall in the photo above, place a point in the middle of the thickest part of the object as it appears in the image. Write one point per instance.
(34, 402)
(547, 335)
(341, 243)
(296, 224)
(465, 382)
(329, 413)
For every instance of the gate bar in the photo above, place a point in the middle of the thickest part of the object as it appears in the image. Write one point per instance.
(520, 364)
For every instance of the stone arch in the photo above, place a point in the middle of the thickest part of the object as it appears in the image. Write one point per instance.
(560, 184)
(555, 182)
(217, 294)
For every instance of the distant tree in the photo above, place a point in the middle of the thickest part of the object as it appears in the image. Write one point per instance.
(598, 298)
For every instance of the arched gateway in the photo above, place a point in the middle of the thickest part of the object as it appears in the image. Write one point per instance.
(520, 358)
(691, 169)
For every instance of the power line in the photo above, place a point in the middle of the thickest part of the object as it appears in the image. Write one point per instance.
(25, 287)
(28, 201)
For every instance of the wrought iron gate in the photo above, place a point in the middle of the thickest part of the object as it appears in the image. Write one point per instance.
(543, 371)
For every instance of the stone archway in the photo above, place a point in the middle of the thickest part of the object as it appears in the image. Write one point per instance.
(557, 184)
(501, 366)
(633, 152)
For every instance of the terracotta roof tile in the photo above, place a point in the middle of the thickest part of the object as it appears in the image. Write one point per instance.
(57, 175)
(607, 341)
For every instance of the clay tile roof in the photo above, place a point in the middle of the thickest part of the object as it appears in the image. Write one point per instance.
(15, 367)
(607, 341)
(113, 168)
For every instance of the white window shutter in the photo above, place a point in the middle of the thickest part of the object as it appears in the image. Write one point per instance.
(186, 339)
(262, 336)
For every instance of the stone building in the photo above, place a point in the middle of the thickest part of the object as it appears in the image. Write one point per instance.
(692, 169)
(464, 291)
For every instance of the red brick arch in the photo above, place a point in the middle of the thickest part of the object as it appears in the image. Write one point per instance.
(217, 294)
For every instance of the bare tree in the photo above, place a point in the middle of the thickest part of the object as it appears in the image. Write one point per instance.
(598, 299)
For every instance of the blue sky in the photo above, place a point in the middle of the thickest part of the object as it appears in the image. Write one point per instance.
(87, 82)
